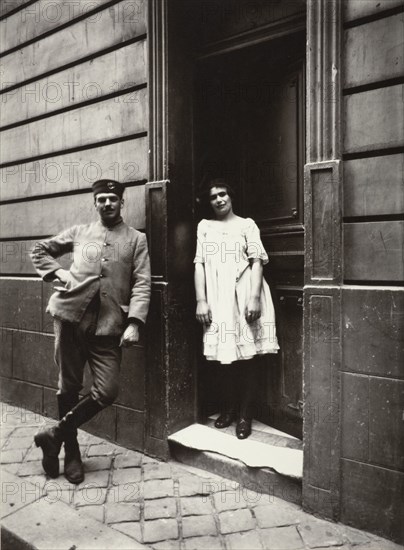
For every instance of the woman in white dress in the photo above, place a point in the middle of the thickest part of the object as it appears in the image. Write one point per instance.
(234, 302)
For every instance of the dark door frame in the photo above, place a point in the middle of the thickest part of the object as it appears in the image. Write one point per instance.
(171, 181)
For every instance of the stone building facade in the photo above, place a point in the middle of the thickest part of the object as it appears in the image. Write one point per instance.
(301, 104)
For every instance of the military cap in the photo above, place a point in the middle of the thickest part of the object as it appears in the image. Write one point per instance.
(108, 186)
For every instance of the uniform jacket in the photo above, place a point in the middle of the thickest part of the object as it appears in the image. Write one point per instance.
(111, 260)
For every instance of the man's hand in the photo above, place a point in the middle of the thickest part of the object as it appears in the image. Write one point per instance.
(62, 275)
(130, 337)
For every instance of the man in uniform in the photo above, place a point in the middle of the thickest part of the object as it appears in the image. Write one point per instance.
(97, 308)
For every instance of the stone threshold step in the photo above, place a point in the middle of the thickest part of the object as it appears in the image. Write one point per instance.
(263, 433)
(270, 469)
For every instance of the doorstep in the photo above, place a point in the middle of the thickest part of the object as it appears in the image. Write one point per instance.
(269, 461)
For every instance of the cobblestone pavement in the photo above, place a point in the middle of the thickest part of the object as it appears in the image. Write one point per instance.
(167, 505)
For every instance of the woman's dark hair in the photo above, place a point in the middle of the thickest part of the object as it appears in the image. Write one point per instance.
(204, 192)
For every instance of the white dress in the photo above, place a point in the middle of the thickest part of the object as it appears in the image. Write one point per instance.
(225, 251)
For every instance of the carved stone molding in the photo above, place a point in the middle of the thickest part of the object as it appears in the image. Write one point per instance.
(322, 353)
(323, 230)
(156, 227)
(324, 23)
(157, 34)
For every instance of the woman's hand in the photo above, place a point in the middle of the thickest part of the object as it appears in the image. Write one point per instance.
(203, 313)
(253, 309)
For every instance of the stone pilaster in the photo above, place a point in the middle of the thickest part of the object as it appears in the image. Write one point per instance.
(170, 372)
(323, 260)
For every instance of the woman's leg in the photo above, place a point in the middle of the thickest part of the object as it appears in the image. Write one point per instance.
(228, 380)
(248, 380)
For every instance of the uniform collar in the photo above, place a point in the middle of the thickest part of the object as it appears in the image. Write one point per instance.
(111, 225)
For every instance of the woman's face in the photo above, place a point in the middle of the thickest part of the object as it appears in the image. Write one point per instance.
(220, 201)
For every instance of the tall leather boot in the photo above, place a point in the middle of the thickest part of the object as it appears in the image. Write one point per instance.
(73, 466)
(51, 439)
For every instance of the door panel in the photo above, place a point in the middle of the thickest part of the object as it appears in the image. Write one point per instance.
(271, 150)
(284, 382)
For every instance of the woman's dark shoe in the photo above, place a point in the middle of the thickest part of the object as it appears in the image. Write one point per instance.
(224, 420)
(243, 428)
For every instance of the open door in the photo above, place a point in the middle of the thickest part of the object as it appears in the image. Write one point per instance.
(249, 126)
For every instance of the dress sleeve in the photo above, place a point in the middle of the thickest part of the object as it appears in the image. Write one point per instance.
(200, 239)
(255, 248)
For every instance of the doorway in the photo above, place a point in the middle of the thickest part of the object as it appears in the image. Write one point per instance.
(249, 127)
